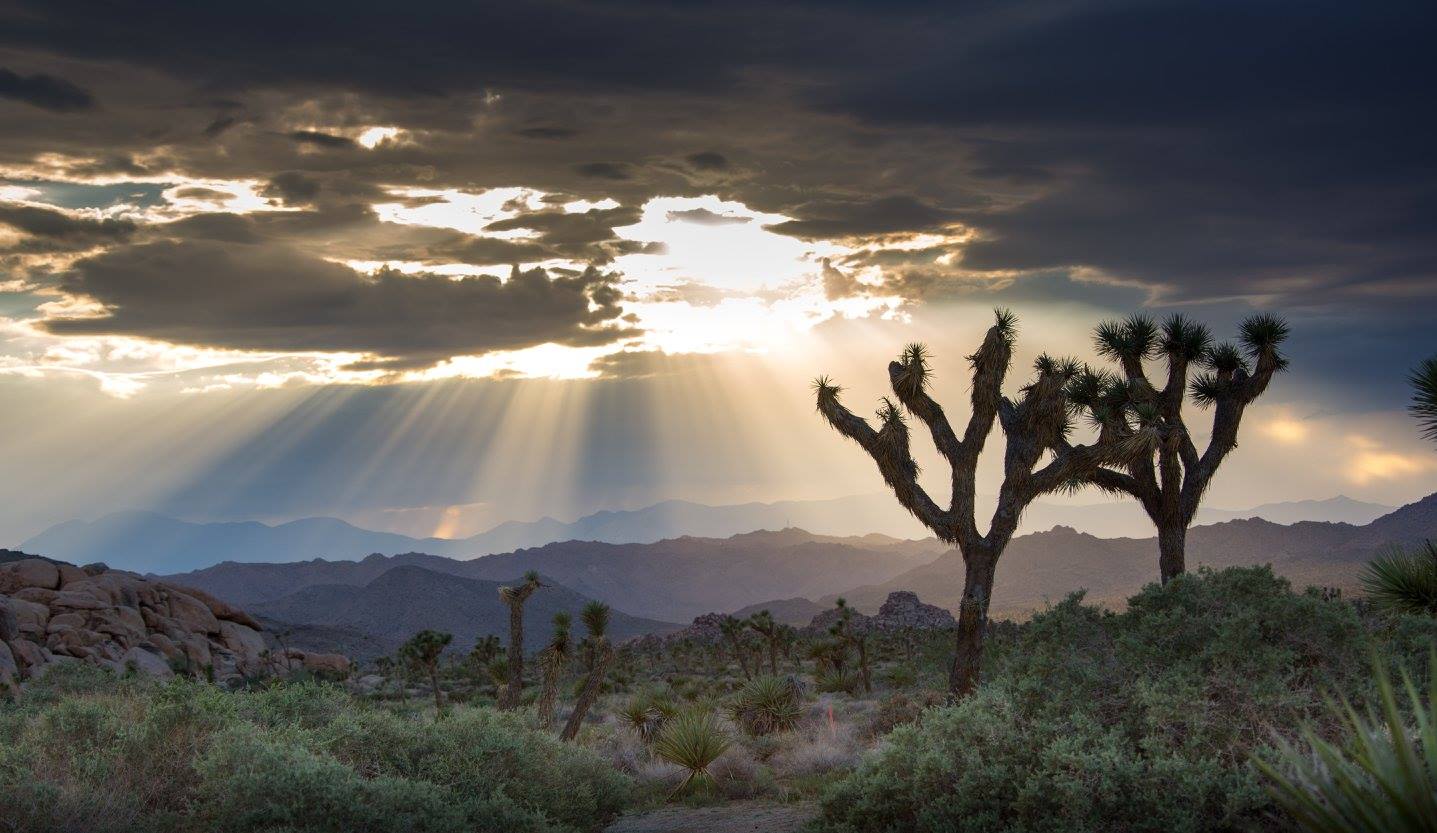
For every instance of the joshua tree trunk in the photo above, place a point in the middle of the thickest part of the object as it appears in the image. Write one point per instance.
(589, 694)
(1172, 550)
(438, 694)
(552, 667)
(773, 657)
(1033, 426)
(862, 644)
(972, 624)
(515, 597)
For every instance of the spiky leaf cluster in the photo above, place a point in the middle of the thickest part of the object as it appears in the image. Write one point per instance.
(1424, 397)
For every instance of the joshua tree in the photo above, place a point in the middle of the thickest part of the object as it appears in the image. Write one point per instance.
(596, 621)
(422, 651)
(1034, 424)
(515, 596)
(764, 625)
(732, 629)
(555, 655)
(1169, 480)
(1424, 397)
(845, 632)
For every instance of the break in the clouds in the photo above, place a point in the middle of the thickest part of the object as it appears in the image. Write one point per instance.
(294, 181)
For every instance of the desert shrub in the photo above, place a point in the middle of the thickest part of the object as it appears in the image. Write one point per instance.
(99, 753)
(645, 714)
(1142, 720)
(901, 708)
(767, 704)
(1382, 776)
(830, 681)
(900, 676)
(693, 739)
(819, 748)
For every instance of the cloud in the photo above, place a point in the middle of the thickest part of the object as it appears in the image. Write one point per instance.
(45, 91)
(704, 217)
(708, 161)
(52, 230)
(829, 219)
(547, 132)
(605, 170)
(320, 139)
(276, 298)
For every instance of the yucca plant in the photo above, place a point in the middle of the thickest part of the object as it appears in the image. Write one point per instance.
(767, 704)
(595, 617)
(1381, 779)
(1424, 397)
(646, 715)
(694, 739)
(1404, 582)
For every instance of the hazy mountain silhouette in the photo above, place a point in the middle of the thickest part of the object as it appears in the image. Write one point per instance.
(147, 542)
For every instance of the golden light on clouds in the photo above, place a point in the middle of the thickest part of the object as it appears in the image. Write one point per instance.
(1286, 430)
(1371, 461)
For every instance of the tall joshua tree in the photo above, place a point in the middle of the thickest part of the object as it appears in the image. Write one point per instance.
(596, 621)
(732, 629)
(515, 596)
(555, 656)
(1170, 479)
(845, 631)
(1033, 425)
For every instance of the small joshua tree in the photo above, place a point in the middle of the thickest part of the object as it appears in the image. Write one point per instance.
(515, 597)
(1034, 425)
(845, 631)
(1170, 480)
(555, 656)
(595, 617)
(422, 652)
(764, 625)
(732, 629)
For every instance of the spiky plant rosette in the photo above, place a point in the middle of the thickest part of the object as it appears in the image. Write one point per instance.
(692, 740)
(1404, 582)
(767, 704)
(1381, 779)
(1424, 397)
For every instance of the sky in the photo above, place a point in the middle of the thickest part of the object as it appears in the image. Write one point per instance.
(434, 266)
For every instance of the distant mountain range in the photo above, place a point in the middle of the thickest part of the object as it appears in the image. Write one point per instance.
(671, 581)
(1045, 567)
(406, 599)
(147, 542)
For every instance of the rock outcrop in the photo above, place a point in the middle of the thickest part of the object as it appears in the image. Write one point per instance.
(900, 612)
(52, 613)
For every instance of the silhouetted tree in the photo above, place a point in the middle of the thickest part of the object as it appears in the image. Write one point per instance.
(1170, 480)
(595, 617)
(845, 631)
(423, 651)
(1034, 425)
(732, 629)
(515, 596)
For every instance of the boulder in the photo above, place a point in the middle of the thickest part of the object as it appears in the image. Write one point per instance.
(96, 568)
(78, 600)
(66, 622)
(30, 656)
(122, 623)
(9, 623)
(167, 648)
(33, 572)
(31, 617)
(245, 642)
(146, 662)
(191, 613)
(69, 574)
(197, 649)
(335, 664)
(221, 609)
(39, 595)
(9, 670)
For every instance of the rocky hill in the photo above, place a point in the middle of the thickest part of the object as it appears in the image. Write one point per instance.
(671, 581)
(53, 613)
(1045, 567)
(407, 599)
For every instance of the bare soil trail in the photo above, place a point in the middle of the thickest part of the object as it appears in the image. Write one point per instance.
(734, 817)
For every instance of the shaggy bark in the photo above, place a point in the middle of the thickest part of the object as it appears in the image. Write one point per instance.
(553, 665)
(515, 597)
(590, 692)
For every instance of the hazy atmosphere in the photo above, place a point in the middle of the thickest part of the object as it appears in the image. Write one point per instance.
(429, 269)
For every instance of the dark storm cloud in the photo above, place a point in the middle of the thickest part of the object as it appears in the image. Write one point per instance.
(708, 161)
(44, 91)
(45, 230)
(320, 139)
(547, 132)
(276, 298)
(605, 170)
(857, 218)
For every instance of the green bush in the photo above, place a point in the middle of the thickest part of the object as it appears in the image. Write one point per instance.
(1143, 720)
(767, 704)
(90, 752)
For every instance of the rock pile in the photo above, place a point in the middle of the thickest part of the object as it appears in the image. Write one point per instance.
(52, 613)
(901, 611)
